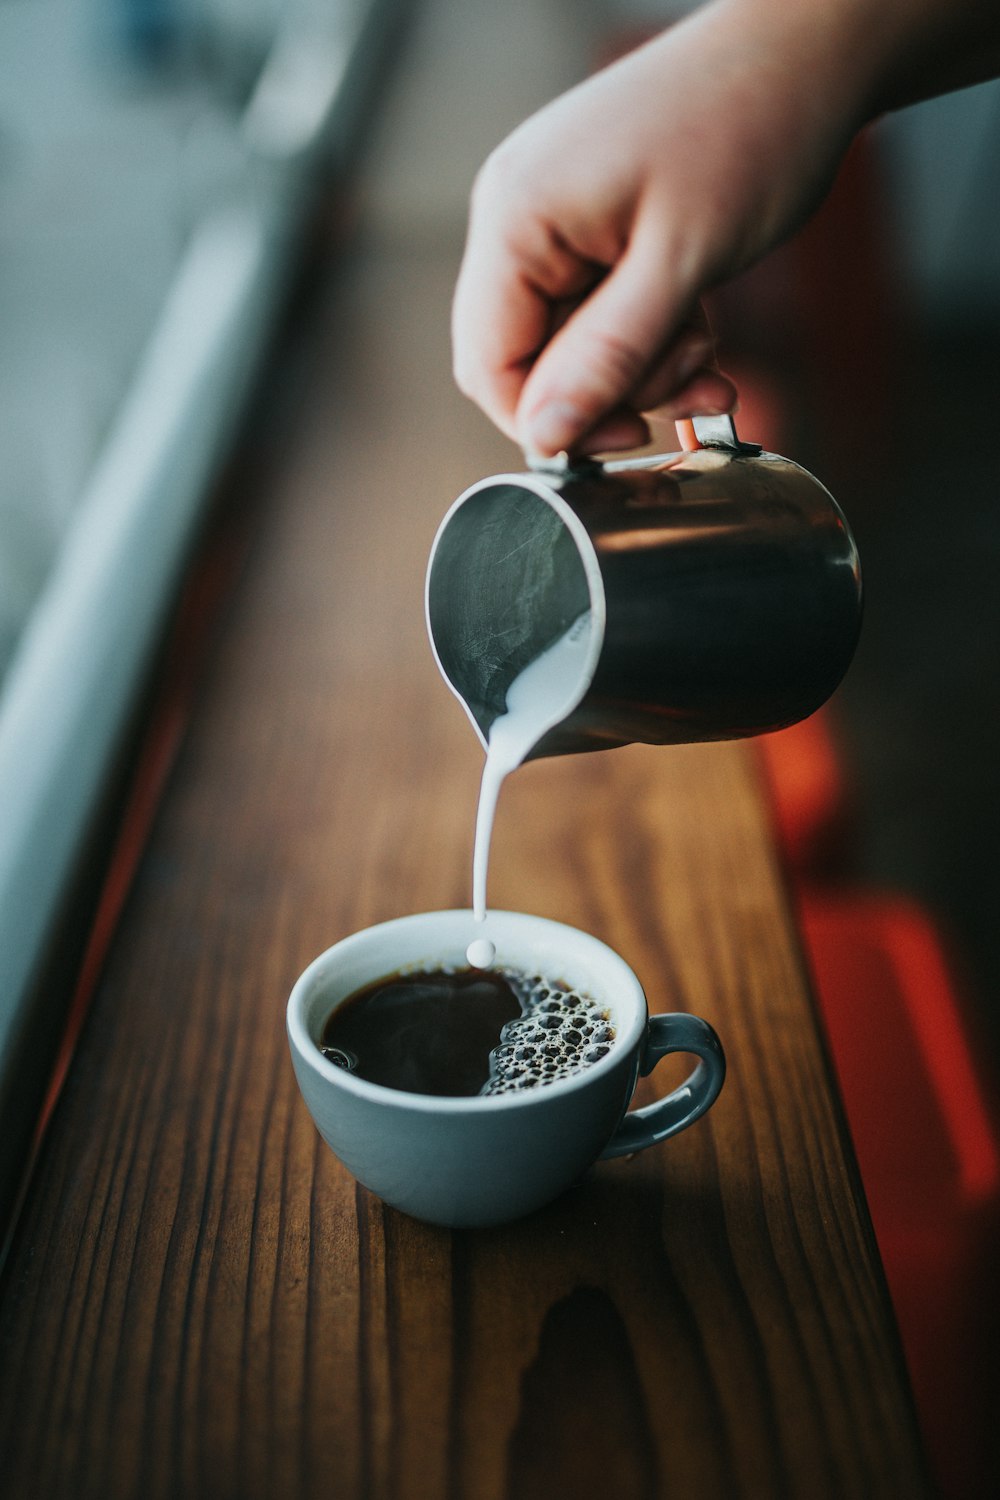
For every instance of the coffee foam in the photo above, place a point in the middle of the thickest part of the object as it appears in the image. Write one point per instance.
(560, 1031)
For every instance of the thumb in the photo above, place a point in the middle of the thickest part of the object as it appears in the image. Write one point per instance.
(599, 358)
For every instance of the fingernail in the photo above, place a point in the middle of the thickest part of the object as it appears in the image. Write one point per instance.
(712, 406)
(553, 427)
(707, 394)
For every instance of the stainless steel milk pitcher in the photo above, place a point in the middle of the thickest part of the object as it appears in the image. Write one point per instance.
(721, 588)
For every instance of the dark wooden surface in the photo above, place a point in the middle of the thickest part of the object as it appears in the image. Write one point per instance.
(199, 1300)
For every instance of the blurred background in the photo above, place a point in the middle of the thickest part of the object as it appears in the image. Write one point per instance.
(162, 165)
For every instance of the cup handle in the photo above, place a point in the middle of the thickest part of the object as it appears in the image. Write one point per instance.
(688, 1102)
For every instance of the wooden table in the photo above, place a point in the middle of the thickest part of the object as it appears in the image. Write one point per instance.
(199, 1300)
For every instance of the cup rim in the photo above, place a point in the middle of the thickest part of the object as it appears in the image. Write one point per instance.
(627, 1037)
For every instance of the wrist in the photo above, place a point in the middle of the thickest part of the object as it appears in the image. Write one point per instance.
(818, 63)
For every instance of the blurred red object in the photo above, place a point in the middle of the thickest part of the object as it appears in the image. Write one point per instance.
(811, 799)
(928, 1147)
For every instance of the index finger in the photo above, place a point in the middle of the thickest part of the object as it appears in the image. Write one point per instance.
(512, 294)
(497, 326)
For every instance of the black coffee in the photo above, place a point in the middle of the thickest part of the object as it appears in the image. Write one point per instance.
(466, 1032)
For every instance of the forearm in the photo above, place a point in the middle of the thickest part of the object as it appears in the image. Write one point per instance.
(932, 46)
(871, 56)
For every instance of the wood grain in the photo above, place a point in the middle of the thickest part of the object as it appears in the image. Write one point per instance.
(200, 1301)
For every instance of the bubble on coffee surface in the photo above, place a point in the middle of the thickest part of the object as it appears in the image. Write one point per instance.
(560, 1031)
(341, 1057)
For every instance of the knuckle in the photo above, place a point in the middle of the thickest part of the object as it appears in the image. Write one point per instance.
(502, 178)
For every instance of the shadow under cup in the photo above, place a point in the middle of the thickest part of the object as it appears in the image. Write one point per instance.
(486, 1160)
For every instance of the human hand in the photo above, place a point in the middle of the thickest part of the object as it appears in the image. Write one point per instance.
(598, 224)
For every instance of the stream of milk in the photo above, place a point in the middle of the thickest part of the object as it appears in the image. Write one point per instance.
(538, 698)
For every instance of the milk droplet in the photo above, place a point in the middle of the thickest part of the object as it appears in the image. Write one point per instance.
(480, 953)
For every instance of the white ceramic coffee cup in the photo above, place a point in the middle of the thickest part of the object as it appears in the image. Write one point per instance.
(485, 1160)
